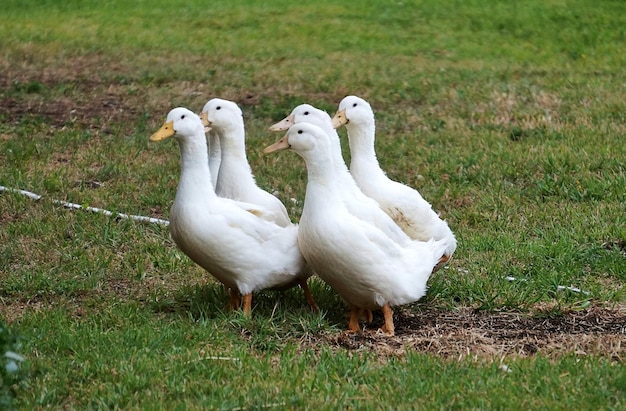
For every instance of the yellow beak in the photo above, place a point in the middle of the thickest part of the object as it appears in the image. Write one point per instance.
(204, 117)
(284, 124)
(166, 131)
(280, 145)
(339, 119)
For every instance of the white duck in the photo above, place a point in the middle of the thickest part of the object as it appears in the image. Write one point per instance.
(235, 179)
(361, 263)
(404, 204)
(306, 113)
(244, 252)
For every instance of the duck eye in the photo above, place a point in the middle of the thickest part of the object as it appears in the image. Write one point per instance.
(299, 131)
(306, 113)
(182, 117)
(354, 105)
(219, 108)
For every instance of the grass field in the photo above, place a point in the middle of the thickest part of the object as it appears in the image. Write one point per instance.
(509, 117)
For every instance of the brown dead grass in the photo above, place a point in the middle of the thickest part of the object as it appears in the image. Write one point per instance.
(85, 96)
(539, 109)
(62, 111)
(77, 91)
(466, 333)
(90, 92)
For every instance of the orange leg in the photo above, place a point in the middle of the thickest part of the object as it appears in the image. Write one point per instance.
(309, 297)
(234, 299)
(353, 324)
(388, 328)
(247, 304)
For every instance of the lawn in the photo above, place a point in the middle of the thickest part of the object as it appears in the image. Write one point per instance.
(509, 117)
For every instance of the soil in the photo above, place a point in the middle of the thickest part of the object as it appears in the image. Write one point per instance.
(71, 92)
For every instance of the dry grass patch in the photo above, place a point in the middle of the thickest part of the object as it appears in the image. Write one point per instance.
(465, 333)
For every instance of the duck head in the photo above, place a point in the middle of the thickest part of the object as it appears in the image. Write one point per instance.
(180, 122)
(352, 109)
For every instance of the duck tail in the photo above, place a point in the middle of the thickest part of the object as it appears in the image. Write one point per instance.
(441, 253)
(451, 242)
(440, 248)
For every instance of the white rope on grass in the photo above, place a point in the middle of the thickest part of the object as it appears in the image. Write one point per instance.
(558, 287)
(75, 206)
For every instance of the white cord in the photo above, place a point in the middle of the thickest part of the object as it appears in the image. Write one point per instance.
(67, 204)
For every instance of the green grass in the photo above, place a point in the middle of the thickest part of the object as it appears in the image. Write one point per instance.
(508, 116)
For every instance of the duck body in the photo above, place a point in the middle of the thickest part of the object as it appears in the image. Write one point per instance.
(358, 260)
(403, 204)
(366, 267)
(235, 179)
(244, 252)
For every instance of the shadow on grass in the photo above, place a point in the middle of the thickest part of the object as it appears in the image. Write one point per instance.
(278, 317)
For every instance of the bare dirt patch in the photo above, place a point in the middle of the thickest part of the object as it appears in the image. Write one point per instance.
(468, 333)
(68, 92)
(90, 112)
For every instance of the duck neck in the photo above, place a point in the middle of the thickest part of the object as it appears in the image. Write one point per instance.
(320, 171)
(195, 176)
(235, 172)
(215, 156)
(337, 157)
(323, 195)
(362, 151)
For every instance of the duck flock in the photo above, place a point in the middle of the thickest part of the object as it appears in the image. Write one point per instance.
(375, 241)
